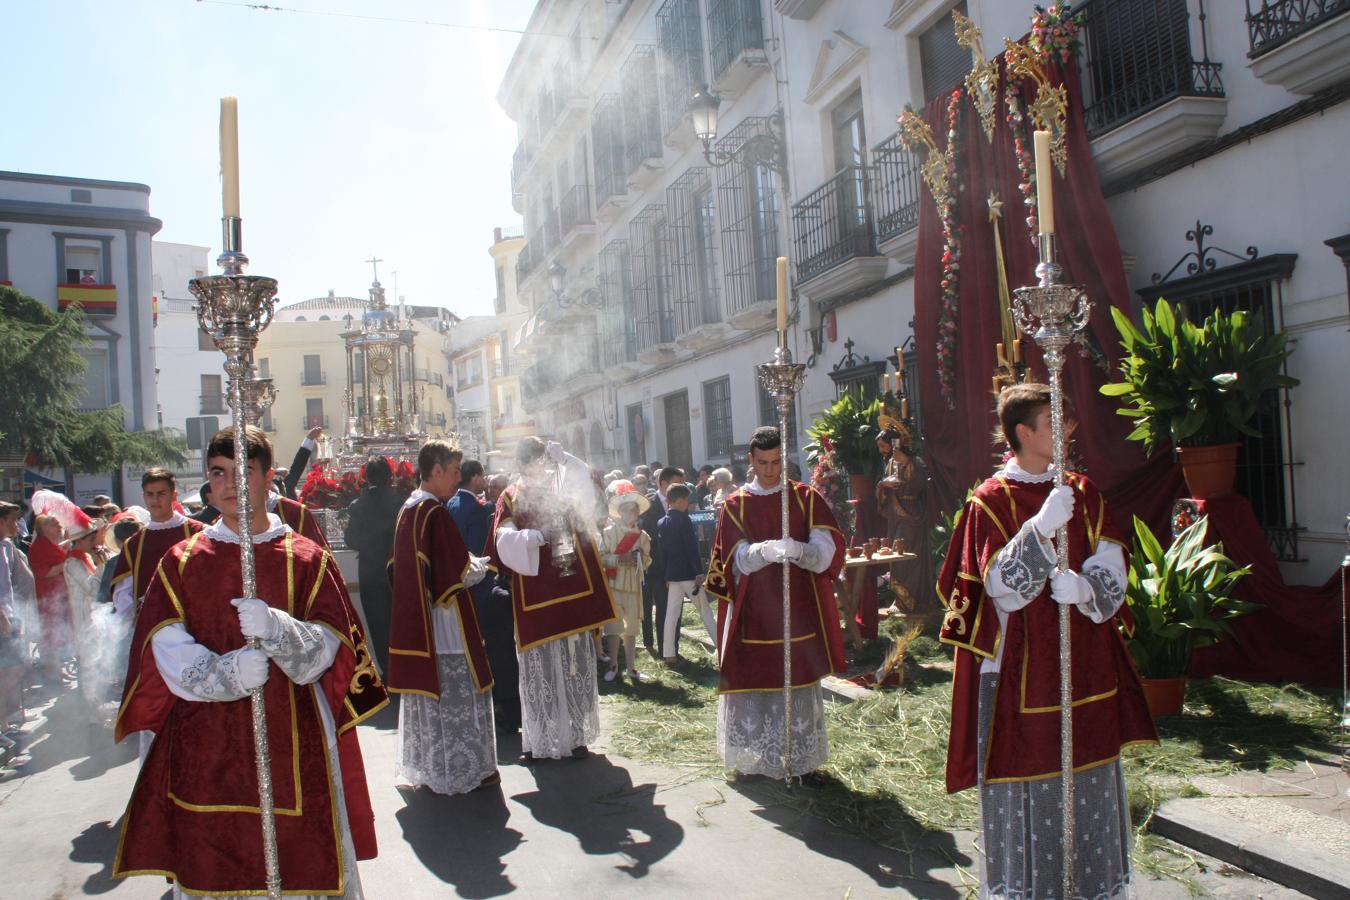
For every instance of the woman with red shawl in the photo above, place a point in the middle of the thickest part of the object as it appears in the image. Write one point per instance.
(47, 558)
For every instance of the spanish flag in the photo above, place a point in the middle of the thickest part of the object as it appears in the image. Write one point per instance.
(96, 299)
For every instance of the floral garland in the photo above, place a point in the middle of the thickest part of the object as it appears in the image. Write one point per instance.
(1055, 32)
(1026, 163)
(951, 262)
(326, 488)
(826, 478)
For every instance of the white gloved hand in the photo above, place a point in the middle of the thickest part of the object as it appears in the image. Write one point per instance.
(256, 619)
(773, 551)
(555, 452)
(1057, 510)
(1070, 589)
(534, 537)
(792, 549)
(252, 667)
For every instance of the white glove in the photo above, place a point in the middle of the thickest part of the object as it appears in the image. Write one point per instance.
(477, 570)
(1070, 589)
(1057, 510)
(773, 551)
(555, 452)
(534, 537)
(256, 619)
(792, 549)
(252, 667)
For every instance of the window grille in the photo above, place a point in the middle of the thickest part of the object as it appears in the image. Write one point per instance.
(734, 26)
(608, 147)
(717, 418)
(641, 107)
(895, 188)
(697, 299)
(681, 45)
(944, 62)
(620, 313)
(1138, 58)
(1265, 471)
(649, 235)
(747, 197)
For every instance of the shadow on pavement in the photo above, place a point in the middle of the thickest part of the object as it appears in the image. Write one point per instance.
(597, 802)
(97, 844)
(914, 850)
(69, 734)
(462, 840)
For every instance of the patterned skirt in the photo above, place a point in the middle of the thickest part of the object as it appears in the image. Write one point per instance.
(450, 744)
(559, 697)
(750, 731)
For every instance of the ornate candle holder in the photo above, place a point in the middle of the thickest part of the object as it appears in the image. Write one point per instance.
(783, 378)
(259, 395)
(1051, 314)
(233, 309)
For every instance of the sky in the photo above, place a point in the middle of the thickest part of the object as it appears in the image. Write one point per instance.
(357, 137)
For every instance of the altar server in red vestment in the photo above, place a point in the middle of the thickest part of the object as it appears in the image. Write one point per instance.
(1002, 593)
(193, 816)
(437, 659)
(135, 565)
(746, 576)
(545, 546)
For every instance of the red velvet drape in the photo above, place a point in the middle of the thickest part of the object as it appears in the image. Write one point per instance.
(957, 440)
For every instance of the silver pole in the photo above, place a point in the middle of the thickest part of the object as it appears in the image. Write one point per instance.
(783, 378)
(233, 308)
(1052, 313)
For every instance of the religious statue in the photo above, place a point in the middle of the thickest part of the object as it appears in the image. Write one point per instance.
(901, 496)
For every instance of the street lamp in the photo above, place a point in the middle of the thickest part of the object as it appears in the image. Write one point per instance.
(765, 147)
(557, 279)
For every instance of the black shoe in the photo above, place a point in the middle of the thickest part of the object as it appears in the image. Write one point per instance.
(580, 752)
(527, 758)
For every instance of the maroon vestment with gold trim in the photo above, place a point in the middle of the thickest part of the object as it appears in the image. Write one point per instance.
(193, 815)
(301, 520)
(1109, 708)
(142, 551)
(427, 572)
(752, 655)
(550, 605)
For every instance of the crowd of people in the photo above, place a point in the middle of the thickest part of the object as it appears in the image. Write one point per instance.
(497, 603)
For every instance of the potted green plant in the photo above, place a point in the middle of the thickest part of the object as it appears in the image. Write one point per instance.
(1198, 386)
(1181, 598)
(850, 427)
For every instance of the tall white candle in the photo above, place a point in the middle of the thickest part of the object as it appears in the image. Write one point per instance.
(782, 295)
(229, 156)
(1045, 204)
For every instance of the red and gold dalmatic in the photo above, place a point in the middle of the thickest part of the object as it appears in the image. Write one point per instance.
(142, 551)
(752, 655)
(300, 519)
(1109, 708)
(425, 532)
(193, 815)
(551, 605)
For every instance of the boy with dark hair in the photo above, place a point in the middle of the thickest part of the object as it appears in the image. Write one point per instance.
(654, 590)
(1003, 593)
(681, 565)
(198, 652)
(446, 739)
(141, 553)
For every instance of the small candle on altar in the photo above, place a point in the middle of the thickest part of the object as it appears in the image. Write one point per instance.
(996, 385)
(782, 295)
(1017, 350)
(904, 408)
(900, 360)
(229, 156)
(998, 354)
(1045, 204)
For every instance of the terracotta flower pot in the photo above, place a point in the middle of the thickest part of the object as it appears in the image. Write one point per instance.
(1209, 471)
(1164, 695)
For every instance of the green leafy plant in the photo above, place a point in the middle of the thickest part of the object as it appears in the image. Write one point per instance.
(1196, 385)
(851, 427)
(1181, 598)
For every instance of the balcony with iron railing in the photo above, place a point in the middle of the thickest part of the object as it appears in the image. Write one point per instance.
(514, 366)
(525, 262)
(574, 212)
(313, 379)
(895, 197)
(430, 377)
(1300, 45)
(736, 43)
(834, 237)
(552, 233)
(213, 405)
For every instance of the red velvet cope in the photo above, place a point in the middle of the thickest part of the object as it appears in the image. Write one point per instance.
(957, 452)
(1297, 637)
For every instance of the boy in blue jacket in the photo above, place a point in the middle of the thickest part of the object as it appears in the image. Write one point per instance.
(683, 566)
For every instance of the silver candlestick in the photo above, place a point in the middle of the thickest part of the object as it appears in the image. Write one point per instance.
(233, 309)
(783, 378)
(259, 395)
(1051, 314)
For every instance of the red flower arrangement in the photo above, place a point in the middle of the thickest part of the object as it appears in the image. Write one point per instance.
(326, 488)
(1054, 32)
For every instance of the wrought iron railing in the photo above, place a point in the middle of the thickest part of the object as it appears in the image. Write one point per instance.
(607, 145)
(313, 379)
(895, 188)
(641, 93)
(525, 262)
(575, 209)
(213, 404)
(1280, 21)
(657, 327)
(680, 29)
(552, 233)
(748, 210)
(1139, 57)
(833, 223)
(733, 27)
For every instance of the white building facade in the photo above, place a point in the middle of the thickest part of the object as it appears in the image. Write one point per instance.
(1227, 118)
(64, 240)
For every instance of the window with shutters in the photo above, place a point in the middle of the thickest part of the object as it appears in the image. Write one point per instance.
(944, 62)
(717, 429)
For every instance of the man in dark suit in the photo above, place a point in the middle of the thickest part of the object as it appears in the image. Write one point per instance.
(654, 587)
(370, 532)
(473, 517)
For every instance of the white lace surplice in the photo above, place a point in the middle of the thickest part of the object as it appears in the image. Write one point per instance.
(450, 744)
(559, 697)
(750, 731)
